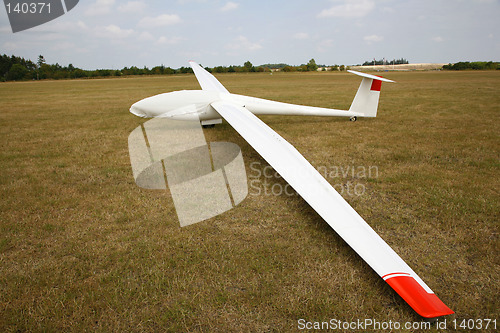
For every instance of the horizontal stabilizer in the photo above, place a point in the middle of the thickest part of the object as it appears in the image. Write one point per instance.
(370, 76)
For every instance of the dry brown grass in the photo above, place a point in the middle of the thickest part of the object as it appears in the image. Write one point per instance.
(83, 248)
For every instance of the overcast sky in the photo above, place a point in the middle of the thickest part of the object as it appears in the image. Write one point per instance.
(115, 34)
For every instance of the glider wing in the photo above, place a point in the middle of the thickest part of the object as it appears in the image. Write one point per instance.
(330, 205)
(207, 81)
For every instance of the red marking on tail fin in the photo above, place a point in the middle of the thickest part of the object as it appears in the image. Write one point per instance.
(425, 304)
(376, 85)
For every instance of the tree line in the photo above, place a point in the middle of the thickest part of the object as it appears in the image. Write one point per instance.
(477, 65)
(15, 68)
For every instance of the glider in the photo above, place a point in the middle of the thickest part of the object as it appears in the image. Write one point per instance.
(214, 103)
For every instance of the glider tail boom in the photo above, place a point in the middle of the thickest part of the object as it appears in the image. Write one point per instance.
(365, 102)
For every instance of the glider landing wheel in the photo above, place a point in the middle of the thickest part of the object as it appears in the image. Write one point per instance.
(353, 118)
(208, 126)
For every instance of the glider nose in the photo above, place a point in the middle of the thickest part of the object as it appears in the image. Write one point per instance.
(138, 110)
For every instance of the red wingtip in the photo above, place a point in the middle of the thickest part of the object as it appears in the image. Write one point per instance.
(425, 304)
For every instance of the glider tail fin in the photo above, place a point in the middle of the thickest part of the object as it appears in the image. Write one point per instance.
(366, 100)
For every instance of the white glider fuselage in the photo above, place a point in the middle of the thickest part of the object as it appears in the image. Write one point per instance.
(186, 103)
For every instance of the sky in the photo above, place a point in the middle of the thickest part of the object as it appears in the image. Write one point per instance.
(114, 34)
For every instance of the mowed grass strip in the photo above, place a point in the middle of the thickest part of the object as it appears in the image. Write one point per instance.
(83, 248)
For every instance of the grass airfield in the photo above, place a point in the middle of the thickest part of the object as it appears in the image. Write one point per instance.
(83, 248)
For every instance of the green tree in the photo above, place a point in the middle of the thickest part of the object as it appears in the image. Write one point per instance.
(78, 73)
(169, 70)
(302, 68)
(157, 70)
(40, 61)
(311, 65)
(220, 69)
(184, 70)
(43, 72)
(5, 65)
(17, 72)
(248, 67)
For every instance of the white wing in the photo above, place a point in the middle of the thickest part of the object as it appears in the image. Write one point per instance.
(207, 81)
(330, 205)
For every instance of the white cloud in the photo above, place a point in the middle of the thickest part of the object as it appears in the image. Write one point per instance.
(51, 37)
(146, 36)
(132, 7)
(301, 35)
(229, 6)
(184, 2)
(63, 28)
(10, 46)
(373, 38)
(349, 9)
(191, 55)
(159, 21)
(438, 39)
(114, 31)
(327, 42)
(324, 45)
(100, 7)
(242, 43)
(162, 40)
(81, 25)
(165, 40)
(66, 46)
